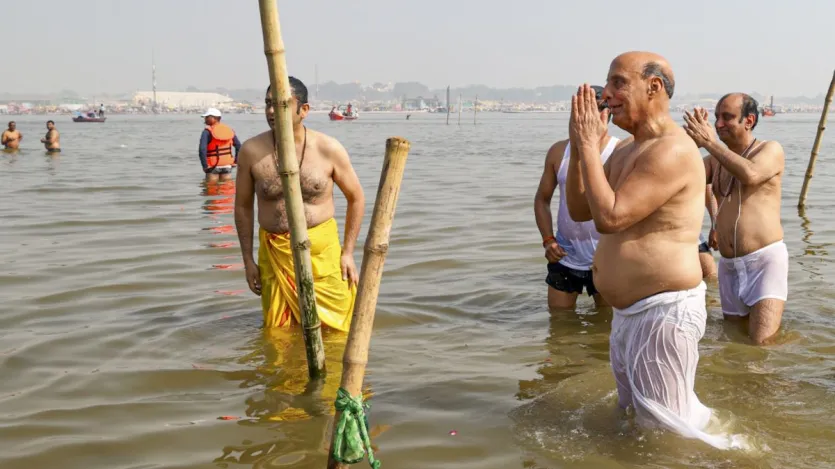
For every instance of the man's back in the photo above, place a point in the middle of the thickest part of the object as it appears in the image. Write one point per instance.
(670, 173)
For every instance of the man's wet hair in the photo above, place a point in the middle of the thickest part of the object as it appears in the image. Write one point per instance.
(12, 122)
(750, 107)
(297, 88)
(50, 122)
(653, 69)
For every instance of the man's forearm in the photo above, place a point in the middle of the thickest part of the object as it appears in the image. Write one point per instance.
(237, 144)
(244, 227)
(203, 149)
(353, 222)
(544, 219)
(710, 204)
(738, 166)
(598, 192)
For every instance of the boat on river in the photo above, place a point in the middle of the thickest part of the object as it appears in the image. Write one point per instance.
(338, 114)
(90, 117)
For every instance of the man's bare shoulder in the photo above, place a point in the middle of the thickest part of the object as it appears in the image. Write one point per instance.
(558, 146)
(676, 146)
(556, 152)
(772, 148)
(328, 146)
(670, 156)
(259, 141)
(258, 145)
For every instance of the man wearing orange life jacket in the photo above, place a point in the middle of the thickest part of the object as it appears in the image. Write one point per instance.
(216, 144)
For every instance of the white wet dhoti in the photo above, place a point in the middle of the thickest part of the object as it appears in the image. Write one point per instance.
(654, 352)
(760, 275)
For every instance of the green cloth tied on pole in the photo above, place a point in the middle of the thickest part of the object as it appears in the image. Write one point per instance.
(351, 440)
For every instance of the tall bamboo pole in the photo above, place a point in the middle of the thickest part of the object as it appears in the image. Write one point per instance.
(818, 138)
(374, 256)
(475, 108)
(288, 168)
(459, 109)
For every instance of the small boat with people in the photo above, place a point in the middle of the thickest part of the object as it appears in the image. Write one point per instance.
(91, 116)
(348, 114)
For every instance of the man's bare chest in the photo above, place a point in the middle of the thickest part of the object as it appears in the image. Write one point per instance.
(315, 179)
(723, 182)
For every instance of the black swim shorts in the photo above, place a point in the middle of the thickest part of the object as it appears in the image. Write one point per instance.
(221, 170)
(703, 246)
(570, 280)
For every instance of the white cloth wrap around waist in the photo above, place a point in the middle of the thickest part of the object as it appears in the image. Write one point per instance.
(654, 351)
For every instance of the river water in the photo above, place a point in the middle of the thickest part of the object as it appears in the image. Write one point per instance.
(128, 330)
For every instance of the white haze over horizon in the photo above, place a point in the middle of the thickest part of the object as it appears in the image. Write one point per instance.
(105, 46)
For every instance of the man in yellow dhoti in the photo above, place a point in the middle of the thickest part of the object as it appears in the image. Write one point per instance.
(334, 296)
(323, 162)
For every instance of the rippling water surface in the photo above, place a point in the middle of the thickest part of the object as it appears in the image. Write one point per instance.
(127, 329)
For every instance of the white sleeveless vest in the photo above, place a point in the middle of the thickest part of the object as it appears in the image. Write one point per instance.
(577, 239)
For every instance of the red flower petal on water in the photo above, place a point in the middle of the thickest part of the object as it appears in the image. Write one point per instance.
(227, 266)
(223, 245)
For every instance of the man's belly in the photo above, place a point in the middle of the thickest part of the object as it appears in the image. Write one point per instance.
(625, 272)
(755, 230)
(272, 215)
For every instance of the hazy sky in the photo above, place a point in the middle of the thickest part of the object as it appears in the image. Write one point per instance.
(775, 47)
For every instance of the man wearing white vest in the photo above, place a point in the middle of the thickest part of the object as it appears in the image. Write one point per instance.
(571, 251)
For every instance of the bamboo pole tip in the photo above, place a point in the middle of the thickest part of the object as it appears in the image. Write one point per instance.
(394, 142)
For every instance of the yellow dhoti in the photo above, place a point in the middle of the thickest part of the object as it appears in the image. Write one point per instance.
(279, 300)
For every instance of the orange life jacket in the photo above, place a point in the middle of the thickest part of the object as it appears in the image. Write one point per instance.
(219, 149)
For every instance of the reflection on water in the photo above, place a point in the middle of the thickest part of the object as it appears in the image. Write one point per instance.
(128, 332)
(284, 398)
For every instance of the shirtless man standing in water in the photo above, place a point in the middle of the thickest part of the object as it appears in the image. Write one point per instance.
(52, 139)
(323, 162)
(746, 175)
(11, 137)
(648, 204)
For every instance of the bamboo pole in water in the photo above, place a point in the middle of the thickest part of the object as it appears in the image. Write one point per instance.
(818, 138)
(459, 109)
(374, 256)
(288, 168)
(475, 108)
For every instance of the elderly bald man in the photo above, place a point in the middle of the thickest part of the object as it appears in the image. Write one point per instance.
(647, 201)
